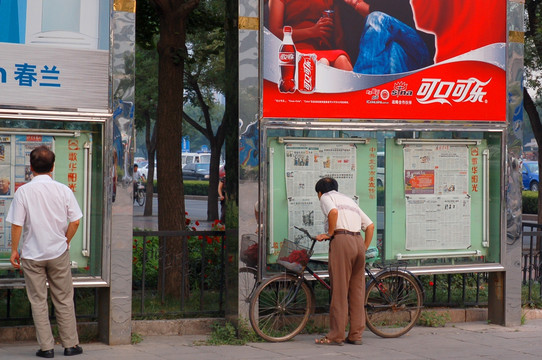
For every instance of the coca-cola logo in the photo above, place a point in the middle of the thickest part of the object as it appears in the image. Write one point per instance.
(307, 77)
(439, 91)
(286, 57)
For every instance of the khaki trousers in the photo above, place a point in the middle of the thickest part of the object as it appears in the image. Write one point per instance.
(347, 276)
(58, 273)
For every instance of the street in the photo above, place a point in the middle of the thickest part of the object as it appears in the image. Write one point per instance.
(196, 207)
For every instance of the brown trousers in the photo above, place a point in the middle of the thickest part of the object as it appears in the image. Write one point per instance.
(347, 275)
(58, 273)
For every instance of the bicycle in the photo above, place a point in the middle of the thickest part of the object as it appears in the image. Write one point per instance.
(248, 274)
(139, 193)
(281, 305)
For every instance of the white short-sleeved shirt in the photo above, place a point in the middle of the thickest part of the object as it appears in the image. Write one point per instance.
(350, 218)
(43, 207)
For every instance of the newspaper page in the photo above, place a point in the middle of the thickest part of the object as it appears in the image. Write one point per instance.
(438, 205)
(306, 213)
(305, 164)
(437, 222)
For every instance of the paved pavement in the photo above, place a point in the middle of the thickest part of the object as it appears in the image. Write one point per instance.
(473, 340)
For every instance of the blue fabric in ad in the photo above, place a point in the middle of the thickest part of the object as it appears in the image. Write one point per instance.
(388, 46)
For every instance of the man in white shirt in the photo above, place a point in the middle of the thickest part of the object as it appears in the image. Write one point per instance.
(344, 220)
(46, 214)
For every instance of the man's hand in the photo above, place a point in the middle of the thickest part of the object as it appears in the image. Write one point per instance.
(15, 259)
(323, 237)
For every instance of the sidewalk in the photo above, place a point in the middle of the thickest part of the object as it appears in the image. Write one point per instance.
(465, 341)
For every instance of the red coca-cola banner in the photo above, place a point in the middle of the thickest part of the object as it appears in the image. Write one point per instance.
(413, 60)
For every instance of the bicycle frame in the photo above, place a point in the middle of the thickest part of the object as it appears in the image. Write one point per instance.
(382, 290)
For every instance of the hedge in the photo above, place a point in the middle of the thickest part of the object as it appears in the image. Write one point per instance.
(191, 187)
(530, 202)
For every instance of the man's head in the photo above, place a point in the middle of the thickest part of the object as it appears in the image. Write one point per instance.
(135, 167)
(42, 160)
(326, 184)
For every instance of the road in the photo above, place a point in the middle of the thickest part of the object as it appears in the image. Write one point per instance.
(195, 206)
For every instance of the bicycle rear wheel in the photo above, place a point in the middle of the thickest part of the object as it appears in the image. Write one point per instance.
(280, 307)
(393, 303)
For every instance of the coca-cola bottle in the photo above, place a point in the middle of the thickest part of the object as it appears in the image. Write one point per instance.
(287, 62)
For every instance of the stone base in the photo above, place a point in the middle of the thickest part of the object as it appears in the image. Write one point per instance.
(89, 331)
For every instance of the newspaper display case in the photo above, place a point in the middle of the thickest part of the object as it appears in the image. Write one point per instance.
(60, 73)
(446, 132)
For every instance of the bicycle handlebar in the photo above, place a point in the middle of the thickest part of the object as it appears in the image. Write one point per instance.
(305, 232)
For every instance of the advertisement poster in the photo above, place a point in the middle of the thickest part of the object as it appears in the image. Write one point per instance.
(379, 59)
(55, 52)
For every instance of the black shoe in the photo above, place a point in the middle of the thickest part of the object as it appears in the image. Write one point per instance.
(46, 353)
(76, 350)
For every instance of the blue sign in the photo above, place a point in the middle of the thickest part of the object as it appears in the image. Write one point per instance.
(186, 144)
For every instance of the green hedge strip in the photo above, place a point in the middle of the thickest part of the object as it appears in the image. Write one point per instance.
(530, 202)
(191, 187)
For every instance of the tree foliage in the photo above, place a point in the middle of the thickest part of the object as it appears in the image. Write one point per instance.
(204, 82)
(532, 61)
(146, 109)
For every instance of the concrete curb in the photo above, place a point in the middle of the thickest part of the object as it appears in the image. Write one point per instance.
(203, 326)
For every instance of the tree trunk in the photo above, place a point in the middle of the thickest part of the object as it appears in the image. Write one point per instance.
(212, 198)
(534, 118)
(171, 209)
(150, 143)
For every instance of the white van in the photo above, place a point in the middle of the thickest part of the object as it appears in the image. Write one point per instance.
(202, 158)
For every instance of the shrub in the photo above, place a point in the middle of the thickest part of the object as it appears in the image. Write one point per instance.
(204, 259)
(191, 187)
(196, 187)
(530, 202)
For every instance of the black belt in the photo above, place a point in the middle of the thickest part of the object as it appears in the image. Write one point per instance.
(346, 232)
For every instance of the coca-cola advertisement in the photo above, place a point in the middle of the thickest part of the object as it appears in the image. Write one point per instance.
(385, 59)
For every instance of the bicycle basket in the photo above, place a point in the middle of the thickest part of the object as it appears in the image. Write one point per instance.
(249, 250)
(293, 256)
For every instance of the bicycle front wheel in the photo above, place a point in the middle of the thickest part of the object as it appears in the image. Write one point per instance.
(141, 197)
(280, 307)
(248, 281)
(393, 303)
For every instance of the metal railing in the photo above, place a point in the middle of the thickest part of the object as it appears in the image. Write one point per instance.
(531, 260)
(202, 274)
(202, 288)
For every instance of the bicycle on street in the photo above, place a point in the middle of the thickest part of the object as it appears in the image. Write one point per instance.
(281, 305)
(139, 193)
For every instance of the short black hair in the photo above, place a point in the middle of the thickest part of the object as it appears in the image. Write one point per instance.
(326, 184)
(42, 159)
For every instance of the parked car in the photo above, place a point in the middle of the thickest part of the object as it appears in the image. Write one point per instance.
(196, 171)
(530, 175)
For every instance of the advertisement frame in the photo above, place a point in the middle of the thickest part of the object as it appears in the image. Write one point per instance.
(400, 106)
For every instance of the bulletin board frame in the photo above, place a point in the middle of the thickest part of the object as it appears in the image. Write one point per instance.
(279, 227)
(73, 167)
(484, 241)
